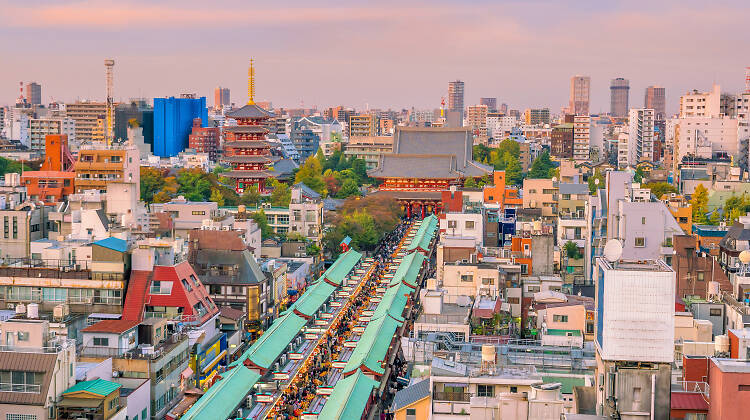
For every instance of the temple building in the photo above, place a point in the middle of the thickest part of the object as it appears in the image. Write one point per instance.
(426, 161)
(245, 147)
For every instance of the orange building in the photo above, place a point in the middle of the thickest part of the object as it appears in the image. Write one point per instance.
(54, 182)
(500, 193)
(520, 248)
(98, 165)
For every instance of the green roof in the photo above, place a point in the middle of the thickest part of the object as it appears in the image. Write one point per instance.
(576, 333)
(373, 345)
(342, 267)
(408, 270)
(393, 302)
(273, 341)
(220, 401)
(424, 234)
(349, 398)
(97, 386)
(313, 298)
(254, 209)
(567, 382)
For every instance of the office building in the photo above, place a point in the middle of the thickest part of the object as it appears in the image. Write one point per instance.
(581, 128)
(619, 90)
(640, 135)
(361, 125)
(562, 137)
(456, 96)
(536, 116)
(204, 139)
(369, 149)
(221, 97)
(173, 122)
(476, 118)
(34, 93)
(87, 116)
(490, 102)
(499, 126)
(580, 87)
(656, 100)
(634, 337)
(132, 113)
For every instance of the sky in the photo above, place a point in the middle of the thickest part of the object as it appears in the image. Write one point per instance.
(379, 54)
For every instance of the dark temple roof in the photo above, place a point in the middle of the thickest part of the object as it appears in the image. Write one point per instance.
(249, 111)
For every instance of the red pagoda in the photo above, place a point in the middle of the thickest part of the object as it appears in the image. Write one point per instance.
(245, 147)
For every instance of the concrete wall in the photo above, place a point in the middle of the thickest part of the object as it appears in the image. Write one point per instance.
(542, 253)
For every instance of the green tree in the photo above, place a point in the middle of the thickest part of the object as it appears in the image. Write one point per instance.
(266, 230)
(572, 251)
(194, 184)
(281, 194)
(699, 201)
(593, 186)
(470, 183)
(540, 169)
(217, 197)
(311, 174)
(513, 169)
(481, 153)
(658, 189)
(152, 181)
(251, 197)
(349, 188)
(638, 176)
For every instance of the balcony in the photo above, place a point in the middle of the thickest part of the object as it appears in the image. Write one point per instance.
(451, 396)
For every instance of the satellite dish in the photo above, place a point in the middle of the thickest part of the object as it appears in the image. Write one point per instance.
(596, 181)
(612, 250)
(554, 179)
(745, 257)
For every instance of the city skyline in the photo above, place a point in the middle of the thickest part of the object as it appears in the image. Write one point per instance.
(316, 62)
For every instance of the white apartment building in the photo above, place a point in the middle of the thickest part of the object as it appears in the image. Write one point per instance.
(640, 135)
(701, 104)
(581, 138)
(500, 126)
(39, 128)
(705, 136)
(623, 153)
(464, 225)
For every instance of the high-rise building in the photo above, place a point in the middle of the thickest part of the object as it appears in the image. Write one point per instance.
(476, 118)
(129, 113)
(656, 100)
(536, 116)
(634, 336)
(581, 146)
(34, 93)
(640, 136)
(221, 97)
(490, 102)
(173, 122)
(619, 90)
(701, 104)
(40, 128)
(580, 87)
(362, 125)
(204, 139)
(456, 96)
(561, 141)
(86, 114)
(503, 109)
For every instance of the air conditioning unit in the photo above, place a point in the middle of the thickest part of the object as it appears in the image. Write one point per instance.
(248, 404)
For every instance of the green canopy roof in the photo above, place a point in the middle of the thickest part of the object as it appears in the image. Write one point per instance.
(220, 401)
(342, 267)
(349, 398)
(273, 341)
(408, 270)
(424, 234)
(96, 386)
(313, 299)
(373, 345)
(393, 302)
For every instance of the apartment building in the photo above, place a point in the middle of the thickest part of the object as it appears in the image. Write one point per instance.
(640, 136)
(362, 125)
(476, 118)
(471, 279)
(98, 165)
(86, 116)
(187, 215)
(701, 104)
(306, 213)
(562, 141)
(541, 194)
(581, 138)
(536, 116)
(368, 148)
(39, 128)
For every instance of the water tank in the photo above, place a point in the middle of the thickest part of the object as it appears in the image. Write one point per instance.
(32, 311)
(488, 353)
(721, 344)
(61, 311)
(713, 288)
(20, 309)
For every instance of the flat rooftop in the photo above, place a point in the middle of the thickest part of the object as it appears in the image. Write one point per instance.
(732, 365)
(637, 265)
(450, 314)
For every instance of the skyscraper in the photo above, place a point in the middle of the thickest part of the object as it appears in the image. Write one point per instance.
(619, 90)
(656, 100)
(221, 96)
(34, 93)
(456, 96)
(490, 102)
(173, 123)
(640, 136)
(580, 87)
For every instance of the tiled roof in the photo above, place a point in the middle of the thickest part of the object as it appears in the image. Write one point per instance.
(112, 326)
(215, 239)
(249, 111)
(29, 362)
(97, 386)
(411, 394)
(248, 174)
(307, 191)
(231, 313)
(574, 188)
(688, 401)
(251, 144)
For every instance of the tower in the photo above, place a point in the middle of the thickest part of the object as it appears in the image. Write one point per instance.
(109, 66)
(251, 84)
(619, 89)
(580, 87)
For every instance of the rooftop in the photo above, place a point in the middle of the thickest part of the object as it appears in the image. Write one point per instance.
(97, 386)
(732, 365)
(634, 265)
(112, 326)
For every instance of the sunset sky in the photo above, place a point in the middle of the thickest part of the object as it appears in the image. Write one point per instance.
(397, 54)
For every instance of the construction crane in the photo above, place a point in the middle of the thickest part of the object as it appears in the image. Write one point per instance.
(109, 65)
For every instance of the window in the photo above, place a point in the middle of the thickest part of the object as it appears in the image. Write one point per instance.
(194, 280)
(534, 289)
(161, 288)
(714, 312)
(643, 220)
(10, 416)
(310, 215)
(524, 268)
(560, 318)
(683, 219)
(640, 242)
(469, 224)
(488, 281)
(485, 391)
(451, 224)
(743, 387)
(186, 285)
(589, 328)
(513, 300)
(701, 276)
(20, 381)
(514, 389)
(144, 413)
(467, 277)
(101, 341)
(199, 213)
(23, 336)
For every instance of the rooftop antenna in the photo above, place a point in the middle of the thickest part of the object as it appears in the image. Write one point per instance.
(20, 99)
(613, 250)
(251, 83)
(109, 66)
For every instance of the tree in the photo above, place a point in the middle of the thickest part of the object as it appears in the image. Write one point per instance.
(593, 186)
(310, 173)
(699, 201)
(481, 153)
(217, 197)
(152, 180)
(470, 183)
(572, 251)
(658, 189)
(266, 231)
(194, 184)
(349, 188)
(540, 169)
(281, 194)
(639, 174)
(513, 169)
(251, 197)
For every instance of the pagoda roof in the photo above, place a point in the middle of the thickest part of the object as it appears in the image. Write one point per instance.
(246, 129)
(250, 144)
(249, 159)
(249, 111)
(248, 174)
